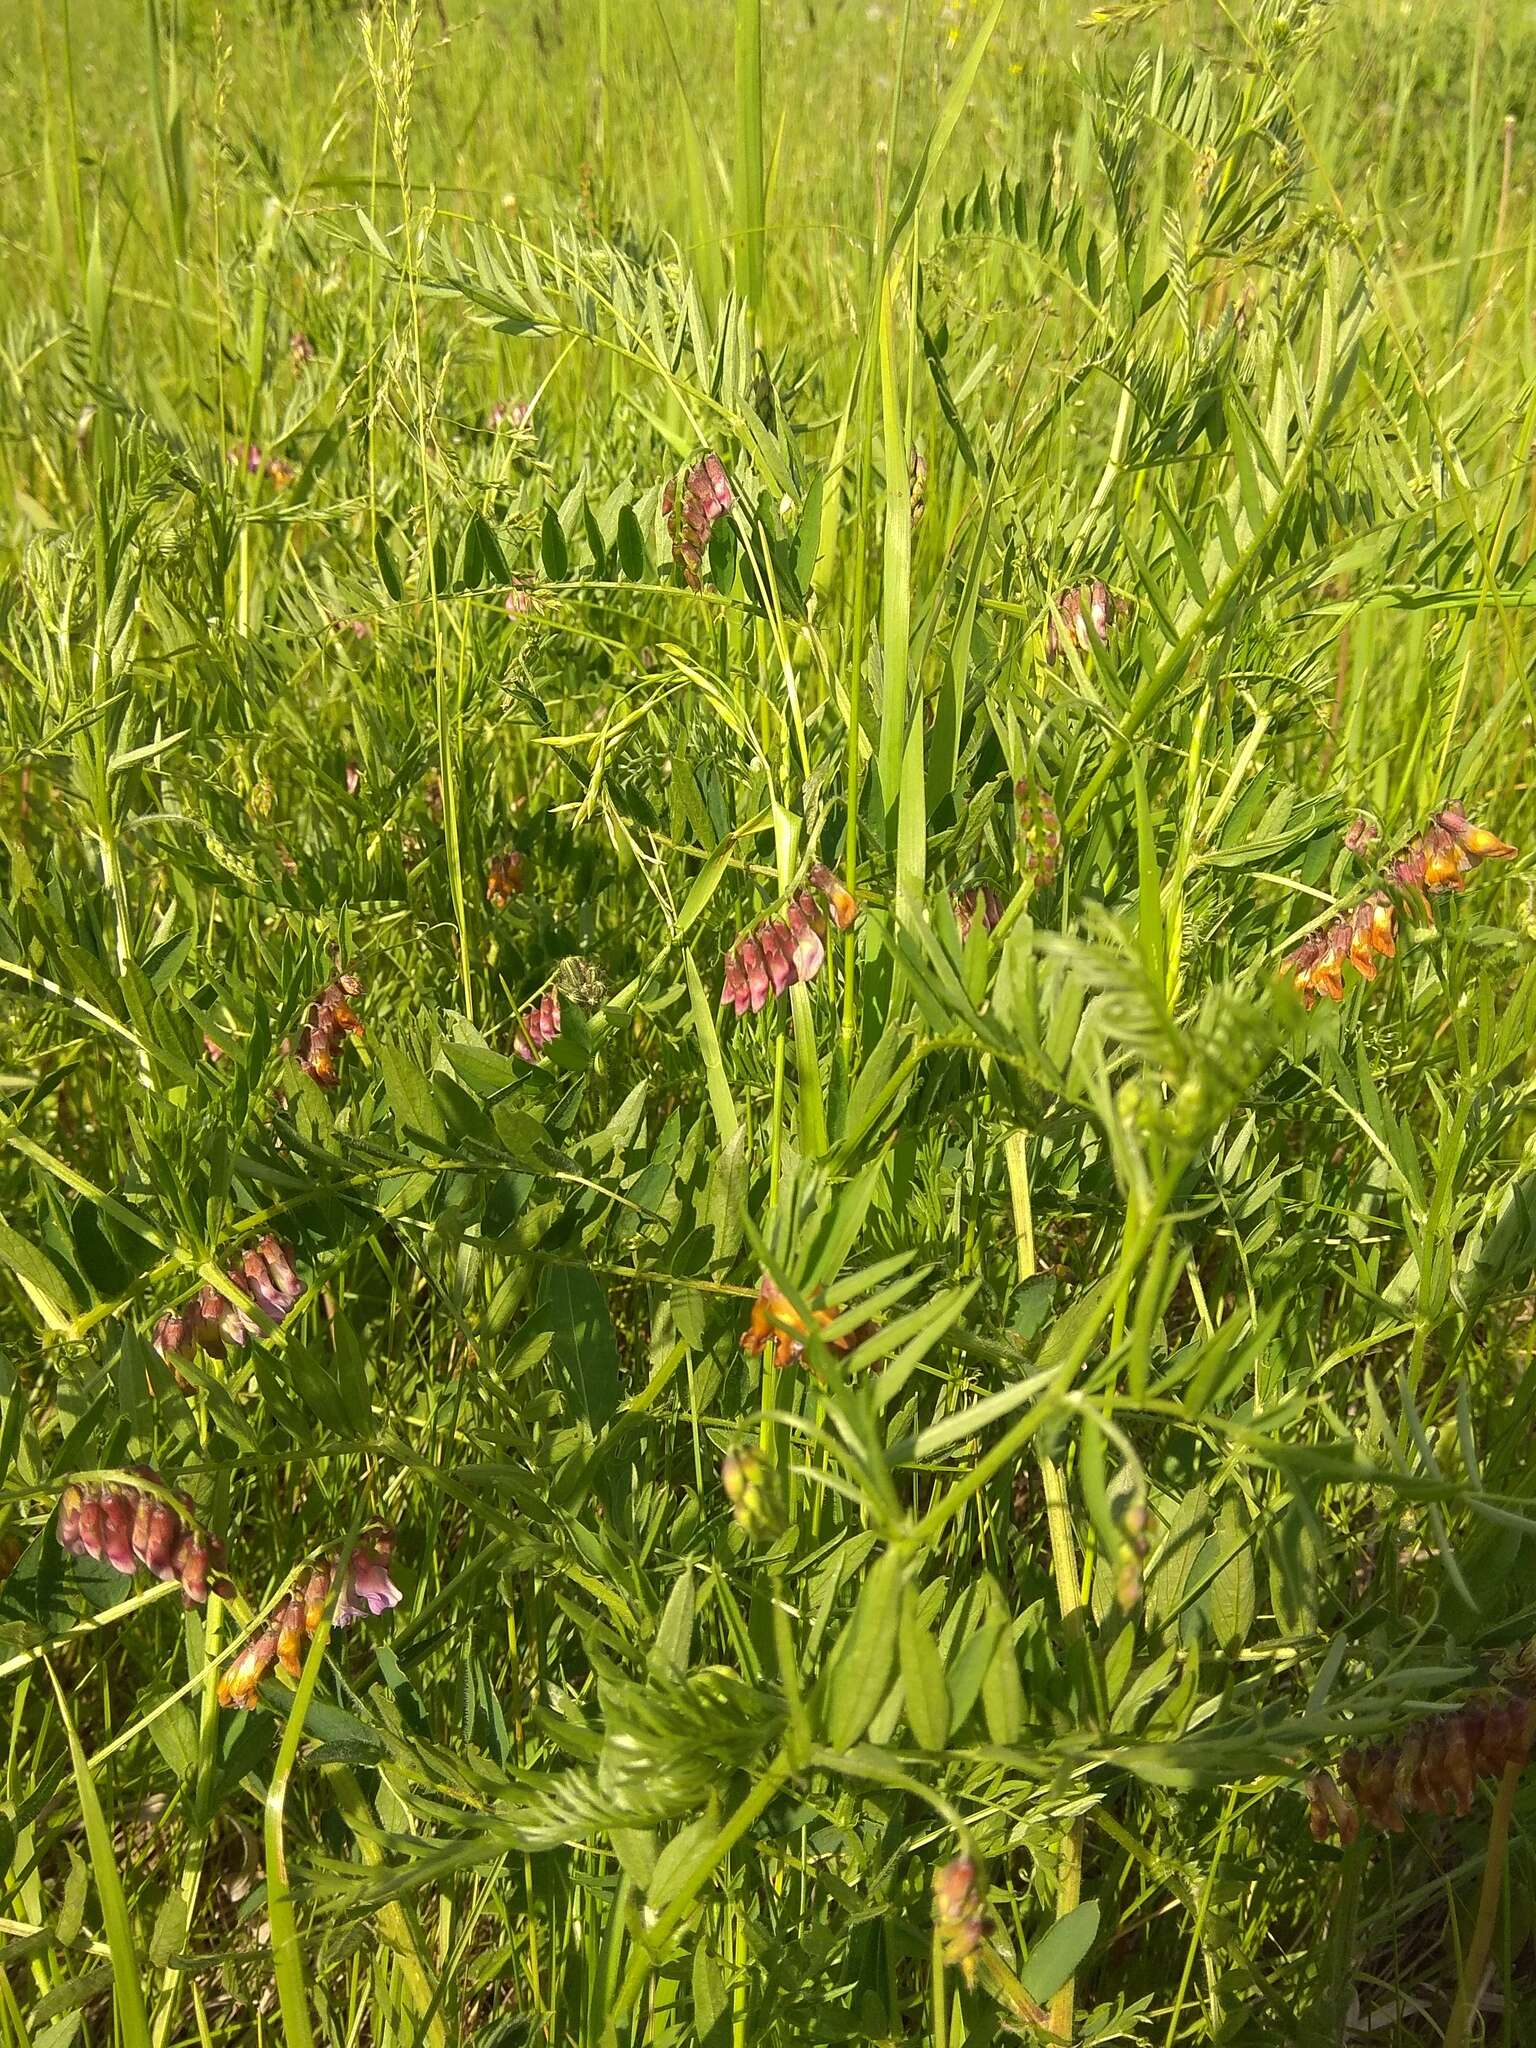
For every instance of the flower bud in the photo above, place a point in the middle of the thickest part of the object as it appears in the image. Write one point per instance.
(960, 1913)
(917, 485)
(752, 1487)
(538, 1026)
(1039, 832)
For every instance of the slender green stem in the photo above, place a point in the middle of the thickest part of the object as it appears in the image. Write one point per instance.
(699, 1872)
(287, 1950)
(1478, 1949)
(749, 153)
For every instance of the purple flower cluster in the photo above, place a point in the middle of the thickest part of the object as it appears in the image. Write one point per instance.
(784, 950)
(707, 497)
(129, 1526)
(363, 1586)
(211, 1322)
(537, 1027)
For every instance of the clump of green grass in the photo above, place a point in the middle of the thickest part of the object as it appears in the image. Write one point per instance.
(998, 546)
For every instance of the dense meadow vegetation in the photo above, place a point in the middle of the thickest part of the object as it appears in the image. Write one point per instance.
(767, 1163)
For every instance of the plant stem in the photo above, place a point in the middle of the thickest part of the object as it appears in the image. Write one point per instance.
(1487, 1911)
(710, 1857)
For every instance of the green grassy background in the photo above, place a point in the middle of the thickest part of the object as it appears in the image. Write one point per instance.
(1231, 307)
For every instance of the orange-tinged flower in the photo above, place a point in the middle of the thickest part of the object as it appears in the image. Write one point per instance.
(1372, 930)
(960, 1913)
(1445, 853)
(240, 1681)
(775, 1320)
(290, 1635)
(1444, 861)
(363, 1586)
(331, 1018)
(1476, 840)
(505, 880)
(840, 899)
(1438, 860)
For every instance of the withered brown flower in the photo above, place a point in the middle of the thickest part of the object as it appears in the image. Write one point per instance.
(1432, 1768)
(917, 485)
(965, 903)
(331, 1019)
(505, 880)
(1082, 617)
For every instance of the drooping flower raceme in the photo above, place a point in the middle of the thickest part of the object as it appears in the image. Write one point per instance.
(960, 1914)
(331, 1019)
(706, 497)
(362, 1584)
(1433, 1768)
(1436, 862)
(132, 1526)
(784, 950)
(1441, 858)
(211, 1321)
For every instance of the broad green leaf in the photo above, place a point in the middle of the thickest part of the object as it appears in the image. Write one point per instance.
(860, 1668)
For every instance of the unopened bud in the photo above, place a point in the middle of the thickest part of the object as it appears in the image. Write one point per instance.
(960, 1913)
(752, 1488)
